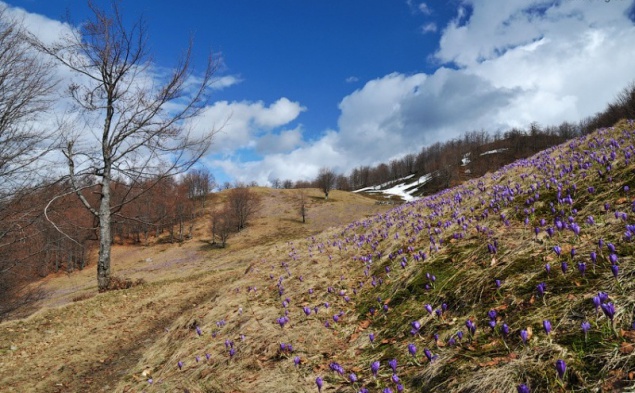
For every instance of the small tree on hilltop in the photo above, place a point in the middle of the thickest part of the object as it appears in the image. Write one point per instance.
(325, 181)
(302, 205)
(243, 204)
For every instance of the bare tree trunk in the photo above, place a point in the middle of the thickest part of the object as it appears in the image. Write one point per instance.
(105, 239)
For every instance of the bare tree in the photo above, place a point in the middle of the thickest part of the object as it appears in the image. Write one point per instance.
(243, 204)
(199, 183)
(302, 202)
(25, 86)
(325, 181)
(276, 183)
(143, 132)
(223, 225)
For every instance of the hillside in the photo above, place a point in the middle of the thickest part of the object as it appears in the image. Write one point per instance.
(490, 286)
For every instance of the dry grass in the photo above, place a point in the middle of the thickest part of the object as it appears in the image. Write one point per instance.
(84, 341)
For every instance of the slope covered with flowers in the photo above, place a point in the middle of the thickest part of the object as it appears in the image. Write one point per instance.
(521, 280)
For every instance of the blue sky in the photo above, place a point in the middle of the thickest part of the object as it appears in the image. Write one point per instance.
(307, 84)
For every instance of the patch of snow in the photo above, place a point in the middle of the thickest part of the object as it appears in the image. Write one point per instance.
(494, 151)
(466, 159)
(402, 190)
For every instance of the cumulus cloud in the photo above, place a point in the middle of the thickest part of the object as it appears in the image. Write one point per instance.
(225, 81)
(507, 64)
(240, 124)
(282, 142)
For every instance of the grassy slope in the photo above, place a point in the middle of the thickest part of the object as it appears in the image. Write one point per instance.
(93, 344)
(124, 338)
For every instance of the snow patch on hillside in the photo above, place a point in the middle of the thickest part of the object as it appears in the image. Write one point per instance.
(401, 188)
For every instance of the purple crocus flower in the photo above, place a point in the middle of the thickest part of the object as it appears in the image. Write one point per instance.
(609, 310)
(561, 368)
(412, 349)
(387, 390)
(199, 331)
(546, 324)
(428, 354)
(319, 382)
(541, 288)
(415, 326)
(557, 250)
(615, 269)
(522, 388)
(585, 326)
(394, 378)
(564, 266)
(180, 364)
(548, 268)
(371, 337)
(582, 268)
(524, 336)
(374, 367)
(505, 330)
(428, 308)
(471, 326)
(296, 360)
(594, 257)
(459, 335)
(492, 314)
(393, 364)
(596, 302)
(352, 377)
(604, 297)
(613, 259)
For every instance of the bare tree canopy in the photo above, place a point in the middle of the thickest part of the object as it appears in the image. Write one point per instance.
(199, 183)
(138, 120)
(243, 204)
(25, 86)
(326, 181)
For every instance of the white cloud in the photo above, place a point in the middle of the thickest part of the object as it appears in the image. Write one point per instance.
(424, 9)
(225, 81)
(283, 142)
(352, 79)
(420, 7)
(429, 28)
(240, 124)
(277, 114)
